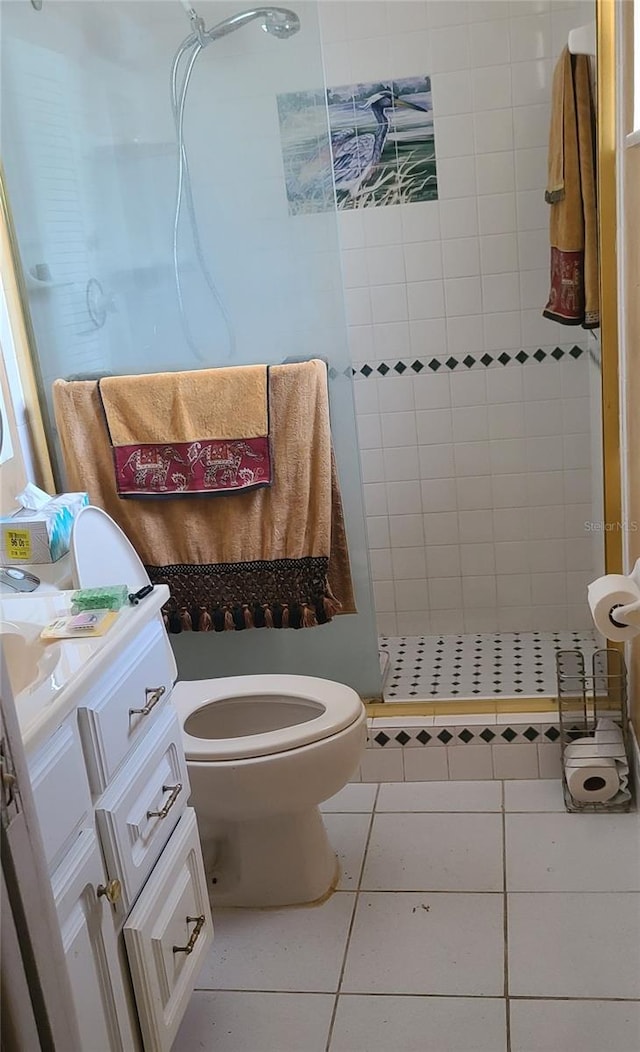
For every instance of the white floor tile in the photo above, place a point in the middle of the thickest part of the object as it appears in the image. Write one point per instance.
(418, 943)
(515, 761)
(426, 765)
(354, 798)
(382, 765)
(255, 1022)
(535, 795)
(550, 761)
(470, 762)
(299, 948)
(440, 796)
(348, 836)
(434, 852)
(568, 852)
(574, 945)
(575, 1026)
(418, 1024)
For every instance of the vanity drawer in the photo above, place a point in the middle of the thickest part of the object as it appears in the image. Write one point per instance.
(119, 710)
(154, 779)
(167, 936)
(61, 791)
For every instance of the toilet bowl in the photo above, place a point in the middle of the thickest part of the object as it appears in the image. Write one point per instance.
(262, 751)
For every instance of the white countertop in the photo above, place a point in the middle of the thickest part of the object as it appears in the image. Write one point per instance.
(42, 708)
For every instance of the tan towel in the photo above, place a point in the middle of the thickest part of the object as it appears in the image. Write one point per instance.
(571, 192)
(275, 556)
(204, 431)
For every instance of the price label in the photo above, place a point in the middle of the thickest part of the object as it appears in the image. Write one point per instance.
(18, 544)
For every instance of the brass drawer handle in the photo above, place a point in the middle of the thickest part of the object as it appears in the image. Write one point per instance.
(175, 791)
(111, 891)
(199, 925)
(152, 696)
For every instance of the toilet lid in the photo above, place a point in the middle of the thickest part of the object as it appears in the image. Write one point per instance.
(101, 554)
(337, 705)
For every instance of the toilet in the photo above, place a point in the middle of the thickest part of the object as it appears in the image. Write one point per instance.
(262, 751)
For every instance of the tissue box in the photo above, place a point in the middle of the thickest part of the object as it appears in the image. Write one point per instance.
(41, 536)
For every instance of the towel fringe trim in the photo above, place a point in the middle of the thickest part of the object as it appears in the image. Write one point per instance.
(285, 593)
(238, 618)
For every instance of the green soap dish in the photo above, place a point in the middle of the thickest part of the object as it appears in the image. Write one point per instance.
(110, 597)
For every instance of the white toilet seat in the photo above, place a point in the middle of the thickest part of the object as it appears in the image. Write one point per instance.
(340, 707)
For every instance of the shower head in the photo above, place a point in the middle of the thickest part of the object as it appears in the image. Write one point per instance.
(280, 22)
(277, 21)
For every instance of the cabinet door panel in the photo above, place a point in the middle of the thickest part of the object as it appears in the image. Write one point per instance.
(153, 779)
(61, 791)
(167, 935)
(91, 950)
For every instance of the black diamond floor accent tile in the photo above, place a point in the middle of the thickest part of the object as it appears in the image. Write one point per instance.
(576, 351)
(381, 738)
(468, 361)
(383, 369)
(417, 366)
(539, 355)
(465, 736)
(504, 358)
(486, 359)
(434, 365)
(451, 363)
(552, 733)
(557, 353)
(487, 735)
(444, 736)
(423, 737)
(403, 737)
(531, 734)
(400, 367)
(366, 370)
(509, 734)
(522, 357)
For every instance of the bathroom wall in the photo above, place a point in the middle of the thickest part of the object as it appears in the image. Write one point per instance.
(474, 413)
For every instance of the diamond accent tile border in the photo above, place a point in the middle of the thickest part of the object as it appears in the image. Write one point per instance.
(402, 737)
(475, 666)
(433, 363)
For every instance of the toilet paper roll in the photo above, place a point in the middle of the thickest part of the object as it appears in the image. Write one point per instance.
(592, 783)
(605, 595)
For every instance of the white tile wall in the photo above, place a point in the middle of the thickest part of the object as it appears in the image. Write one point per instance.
(477, 483)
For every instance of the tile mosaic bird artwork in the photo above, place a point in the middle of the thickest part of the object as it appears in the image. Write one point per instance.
(359, 145)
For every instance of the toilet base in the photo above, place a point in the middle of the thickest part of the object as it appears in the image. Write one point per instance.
(285, 860)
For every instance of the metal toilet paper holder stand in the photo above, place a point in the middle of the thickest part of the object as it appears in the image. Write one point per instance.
(594, 723)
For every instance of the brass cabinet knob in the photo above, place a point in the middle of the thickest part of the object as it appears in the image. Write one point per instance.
(111, 891)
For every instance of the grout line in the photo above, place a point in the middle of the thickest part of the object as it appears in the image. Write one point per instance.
(353, 918)
(452, 997)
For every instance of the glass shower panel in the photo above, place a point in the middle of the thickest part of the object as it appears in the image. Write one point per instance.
(91, 163)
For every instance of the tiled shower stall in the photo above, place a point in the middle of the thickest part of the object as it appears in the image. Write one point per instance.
(478, 419)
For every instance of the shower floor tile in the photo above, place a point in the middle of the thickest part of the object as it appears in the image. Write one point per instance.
(474, 666)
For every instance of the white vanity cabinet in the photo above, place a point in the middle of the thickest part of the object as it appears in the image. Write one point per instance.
(110, 785)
